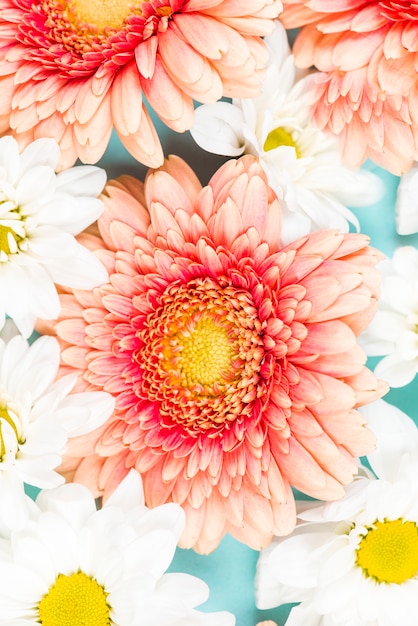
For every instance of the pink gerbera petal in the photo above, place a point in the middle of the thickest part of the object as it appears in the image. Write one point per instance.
(233, 380)
(74, 70)
(365, 91)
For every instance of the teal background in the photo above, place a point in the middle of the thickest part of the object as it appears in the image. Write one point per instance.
(229, 570)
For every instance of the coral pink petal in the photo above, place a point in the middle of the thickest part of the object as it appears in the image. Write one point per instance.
(60, 67)
(234, 378)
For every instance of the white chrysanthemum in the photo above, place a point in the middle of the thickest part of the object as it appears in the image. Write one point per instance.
(37, 416)
(394, 329)
(302, 162)
(406, 206)
(72, 565)
(40, 214)
(354, 562)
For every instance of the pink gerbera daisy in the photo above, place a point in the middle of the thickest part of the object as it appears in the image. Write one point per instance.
(233, 360)
(74, 69)
(367, 88)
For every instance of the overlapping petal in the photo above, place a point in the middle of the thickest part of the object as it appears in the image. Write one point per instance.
(233, 359)
(366, 89)
(354, 561)
(40, 214)
(74, 71)
(303, 163)
(121, 552)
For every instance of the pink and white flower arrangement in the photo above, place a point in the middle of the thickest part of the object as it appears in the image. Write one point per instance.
(208, 353)
(302, 163)
(38, 413)
(355, 561)
(365, 92)
(392, 334)
(41, 212)
(76, 70)
(233, 359)
(72, 564)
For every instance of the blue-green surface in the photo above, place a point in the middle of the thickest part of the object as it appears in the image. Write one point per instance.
(230, 569)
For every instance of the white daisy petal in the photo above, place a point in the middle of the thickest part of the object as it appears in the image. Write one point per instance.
(84, 272)
(74, 504)
(305, 615)
(396, 371)
(94, 408)
(406, 206)
(184, 586)
(70, 546)
(34, 184)
(393, 332)
(82, 180)
(38, 413)
(218, 128)
(41, 212)
(43, 151)
(302, 163)
(9, 161)
(396, 435)
(132, 484)
(19, 584)
(353, 562)
(14, 511)
(295, 561)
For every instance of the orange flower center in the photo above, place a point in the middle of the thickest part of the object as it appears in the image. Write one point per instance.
(201, 354)
(101, 15)
(74, 38)
(205, 353)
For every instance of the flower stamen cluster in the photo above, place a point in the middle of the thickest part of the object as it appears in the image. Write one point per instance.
(201, 355)
(13, 230)
(10, 433)
(75, 600)
(388, 551)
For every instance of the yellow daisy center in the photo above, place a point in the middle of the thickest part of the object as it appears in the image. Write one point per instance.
(75, 600)
(7, 425)
(206, 353)
(388, 553)
(102, 13)
(12, 229)
(280, 137)
(7, 236)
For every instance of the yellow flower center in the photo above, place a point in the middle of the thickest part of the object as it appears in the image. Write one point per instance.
(280, 137)
(9, 435)
(75, 600)
(102, 14)
(206, 353)
(12, 228)
(7, 236)
(388, 553)
(200, 355)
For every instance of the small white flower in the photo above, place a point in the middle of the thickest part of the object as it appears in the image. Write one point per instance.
(406, 206)
(302, 163)
(354, 562)
(37, 416)
(394, 329)
(72, 565)
(40, 214)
